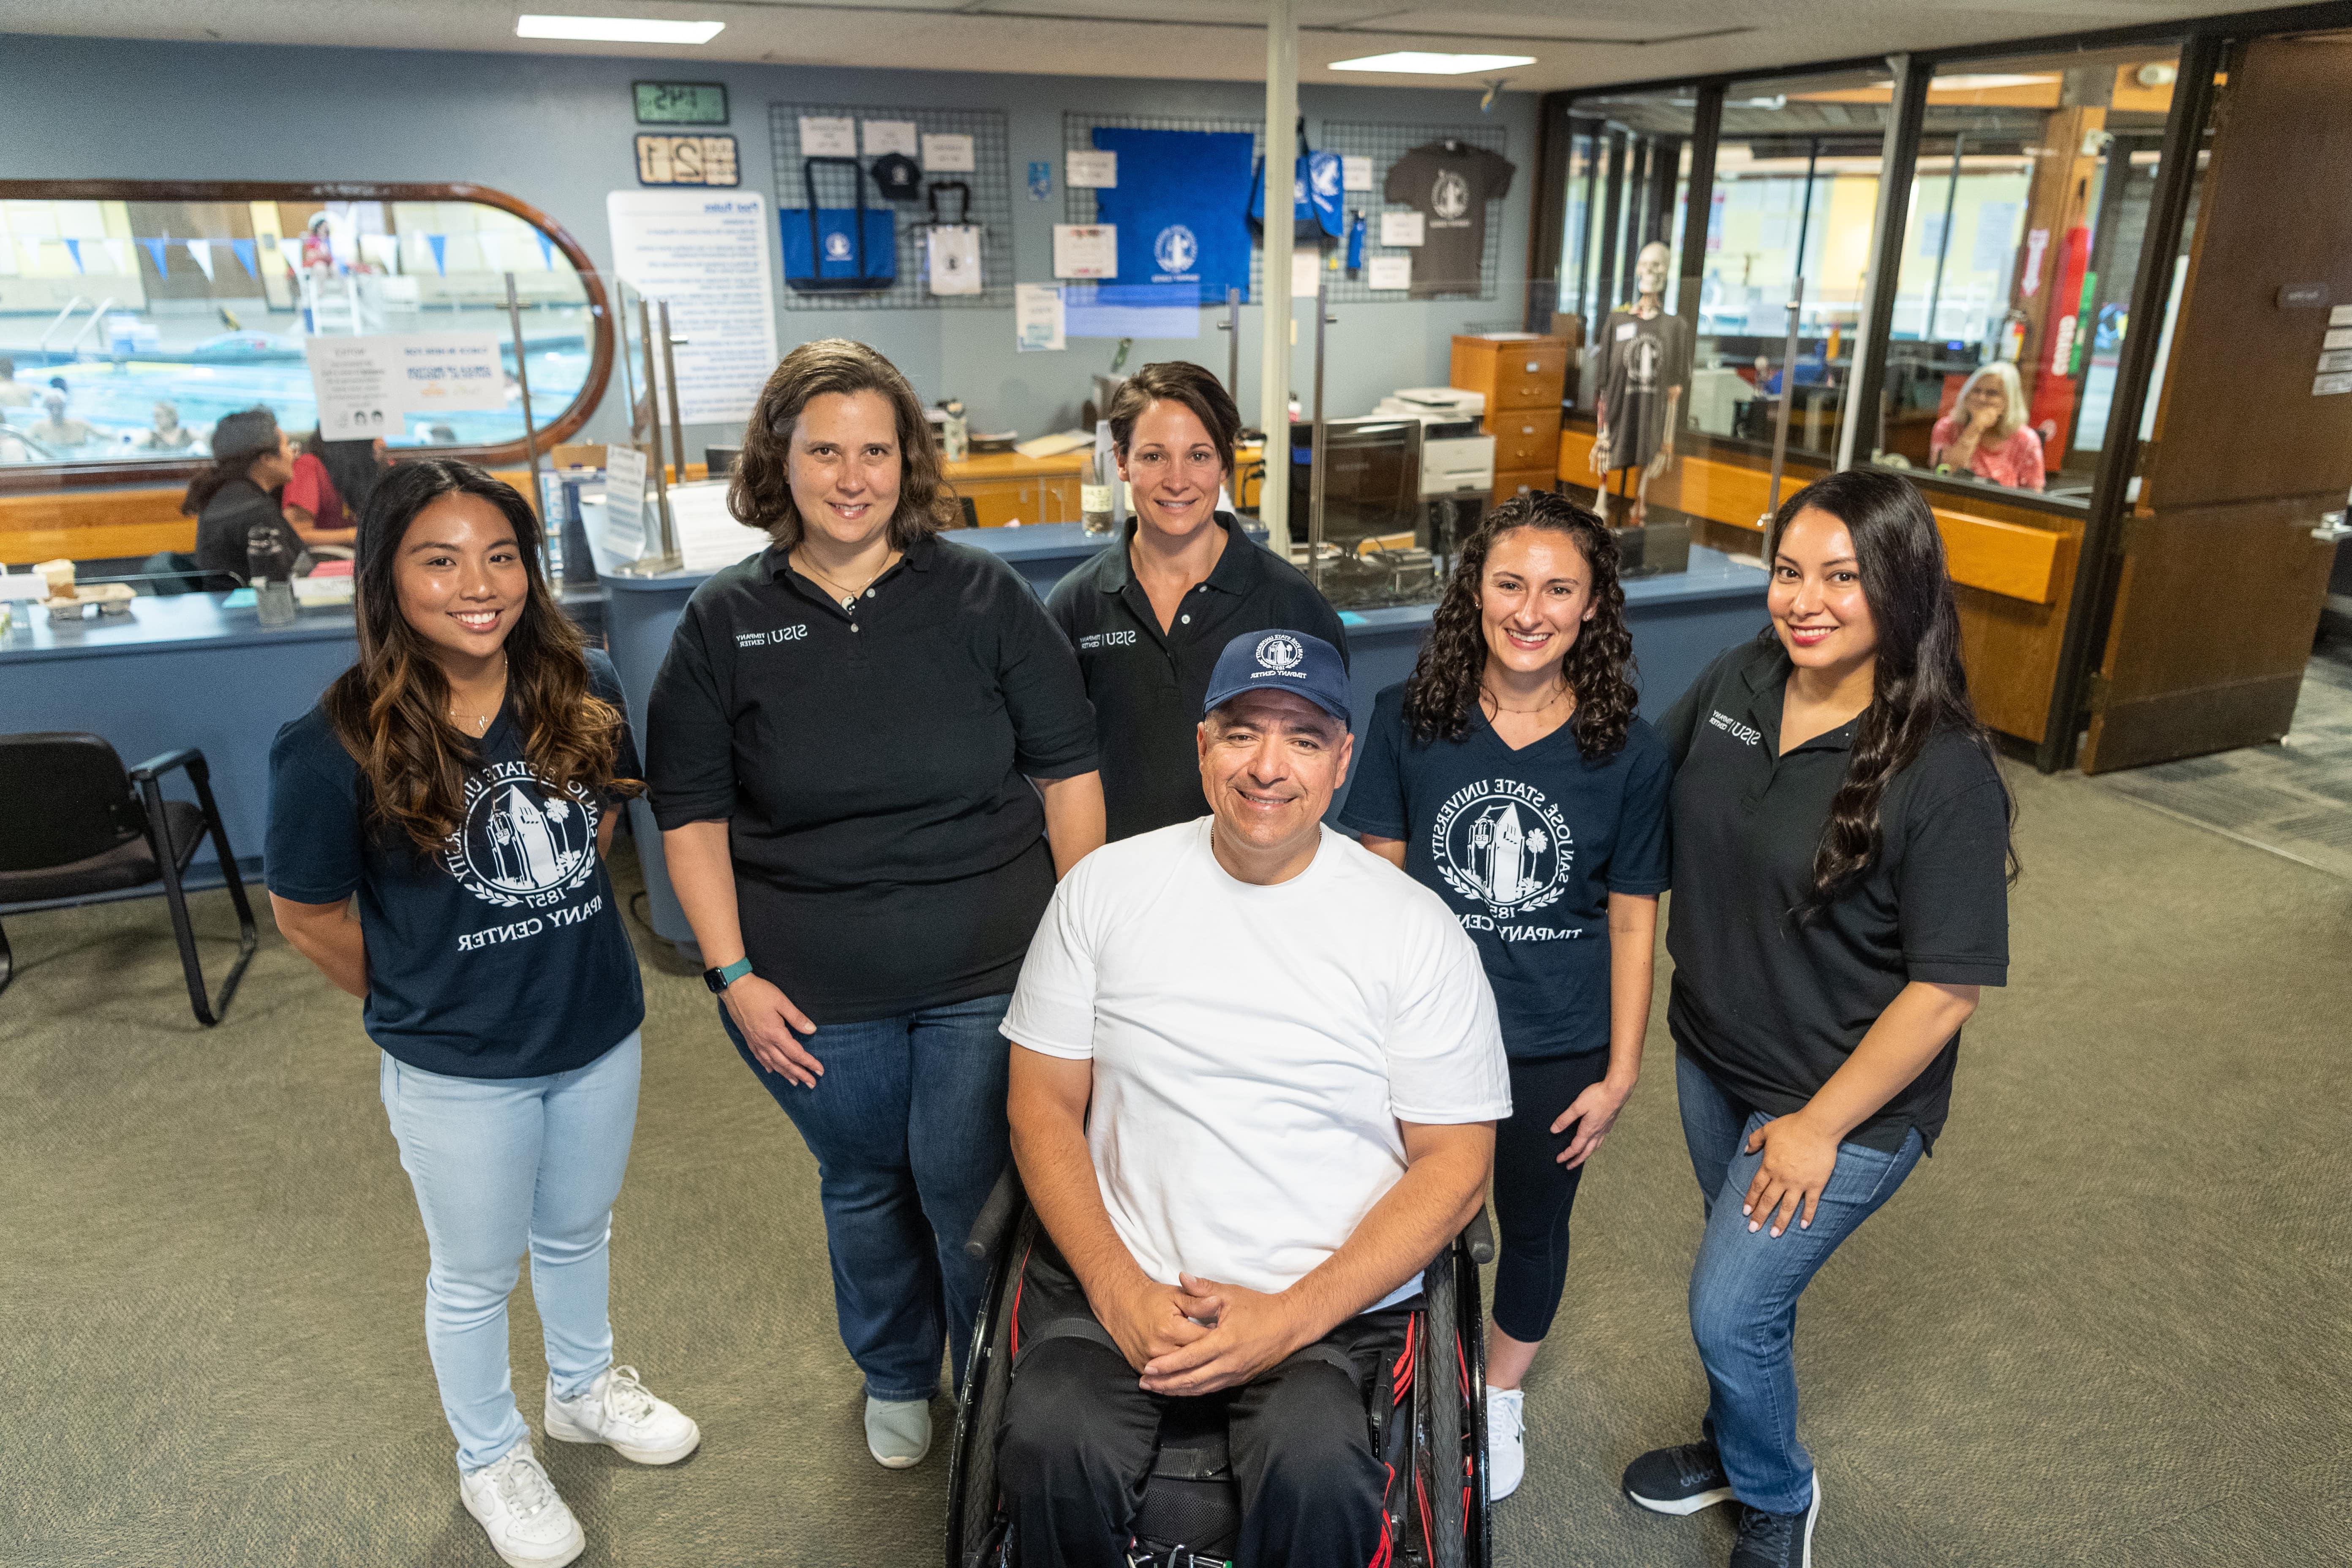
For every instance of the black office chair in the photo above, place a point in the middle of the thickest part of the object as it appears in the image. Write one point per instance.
(71, 825)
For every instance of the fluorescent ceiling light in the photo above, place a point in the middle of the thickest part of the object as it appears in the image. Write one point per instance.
(617, 29)
(1421, 62)
(1990, 80)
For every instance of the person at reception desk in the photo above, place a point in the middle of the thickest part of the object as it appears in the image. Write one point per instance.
(1150, 615)
(233, 498)
(1985, 433)
(871, 758)
(460, 780)
(329, 487)
(1514, 777)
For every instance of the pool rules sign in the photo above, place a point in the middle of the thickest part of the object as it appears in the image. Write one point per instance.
(369, 386)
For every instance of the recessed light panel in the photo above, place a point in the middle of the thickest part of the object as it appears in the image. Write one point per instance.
(617, 29)
(1421, 62)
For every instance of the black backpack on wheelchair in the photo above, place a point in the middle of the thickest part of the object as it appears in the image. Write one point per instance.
(1426, 1409)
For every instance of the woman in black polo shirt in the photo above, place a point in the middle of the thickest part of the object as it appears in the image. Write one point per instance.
(1513, 776)
(1840, 858)
(871, 756)
(1150, 613)
(460, 779)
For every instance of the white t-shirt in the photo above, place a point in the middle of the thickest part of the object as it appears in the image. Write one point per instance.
(1254, 1048)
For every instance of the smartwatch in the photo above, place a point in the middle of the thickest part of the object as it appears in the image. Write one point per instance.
(721, 979)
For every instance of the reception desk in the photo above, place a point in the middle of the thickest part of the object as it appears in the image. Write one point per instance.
(187, 670)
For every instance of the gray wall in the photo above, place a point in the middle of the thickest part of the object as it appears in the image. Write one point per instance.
(556, 132)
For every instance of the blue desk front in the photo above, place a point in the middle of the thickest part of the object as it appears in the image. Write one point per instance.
(1678, 622)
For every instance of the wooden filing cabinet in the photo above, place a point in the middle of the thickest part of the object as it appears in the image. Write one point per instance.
(1525, 438)
(1509, 483)
(1513, 373)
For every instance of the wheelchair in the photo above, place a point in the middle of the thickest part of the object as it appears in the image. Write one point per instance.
(1427, 1411)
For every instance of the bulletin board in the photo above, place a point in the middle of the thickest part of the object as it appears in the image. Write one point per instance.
(1385, 144)
(991, 179)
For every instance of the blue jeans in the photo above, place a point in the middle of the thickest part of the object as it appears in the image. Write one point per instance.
(1744, 1290)
(908, 1127)
(500, 1166)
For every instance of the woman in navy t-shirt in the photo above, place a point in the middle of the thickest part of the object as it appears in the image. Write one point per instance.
(459, 778)
(1513, 775)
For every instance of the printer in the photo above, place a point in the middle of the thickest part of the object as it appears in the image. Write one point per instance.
(1456, 457)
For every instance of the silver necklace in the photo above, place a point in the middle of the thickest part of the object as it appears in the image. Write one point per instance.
(849, 596)
(481, 721)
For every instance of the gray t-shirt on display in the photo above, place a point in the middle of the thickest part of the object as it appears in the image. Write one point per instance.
(1450, 182)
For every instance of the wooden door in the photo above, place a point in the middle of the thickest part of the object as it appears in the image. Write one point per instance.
(2222, 582)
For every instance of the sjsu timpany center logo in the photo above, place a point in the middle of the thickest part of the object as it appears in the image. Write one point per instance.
(1176, 249)
(1501, 843)
(1280, 654)
(1450, 197)
(518, 848)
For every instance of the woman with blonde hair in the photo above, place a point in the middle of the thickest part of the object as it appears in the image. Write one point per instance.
(872, 756)
(1985, 433)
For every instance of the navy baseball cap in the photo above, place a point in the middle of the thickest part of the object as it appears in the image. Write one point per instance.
(1295, 662)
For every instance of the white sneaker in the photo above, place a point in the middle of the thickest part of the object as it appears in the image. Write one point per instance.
(518, 1508)
(1507, 1450)
(623, 1413)
(898, 1432)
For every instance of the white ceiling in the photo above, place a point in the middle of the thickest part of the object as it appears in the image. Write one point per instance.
(1576, 43)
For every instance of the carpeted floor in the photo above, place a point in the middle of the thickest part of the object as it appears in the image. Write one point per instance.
(2106, 1324)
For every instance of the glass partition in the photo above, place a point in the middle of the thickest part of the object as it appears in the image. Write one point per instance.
(2027, 205)
(1629, 180)
(133, 317)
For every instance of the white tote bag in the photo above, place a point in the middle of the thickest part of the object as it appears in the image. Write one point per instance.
(954, 257)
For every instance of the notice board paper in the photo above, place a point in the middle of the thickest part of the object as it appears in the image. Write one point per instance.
(1306, 272)
(1090, 171)
(1389, 272)
(1038, 318)
(828, 136)
(1400, 228)
(706, 254)
(1086, 250)
(1355, 174)
(949, 154)
(889, 136)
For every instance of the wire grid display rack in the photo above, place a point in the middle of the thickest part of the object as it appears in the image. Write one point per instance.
(1077, 136)
(991, 179)
(1384, 146)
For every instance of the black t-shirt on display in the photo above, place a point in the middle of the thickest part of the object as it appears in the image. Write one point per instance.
(502, 957)
(1147, 685)
(873, 767)
(1450, 183)
(1771, 1006)
(1525, 847)
(1648, 357)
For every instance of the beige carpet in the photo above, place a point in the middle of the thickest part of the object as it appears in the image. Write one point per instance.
(2106, 1324)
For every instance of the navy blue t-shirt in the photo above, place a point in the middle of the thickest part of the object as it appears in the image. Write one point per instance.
(1525, 847)
(504, 956)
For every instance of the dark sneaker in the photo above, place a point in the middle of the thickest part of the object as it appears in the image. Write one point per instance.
(1679, 1480)
(1777, 1540)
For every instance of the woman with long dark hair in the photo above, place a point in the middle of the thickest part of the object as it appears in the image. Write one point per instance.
(1840, 867)
(872, 757)
(460, 779)
(234, 497)
(1513, 775)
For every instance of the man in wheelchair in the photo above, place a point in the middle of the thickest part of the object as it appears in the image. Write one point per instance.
(1256, 1073)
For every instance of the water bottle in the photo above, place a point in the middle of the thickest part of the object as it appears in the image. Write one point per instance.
(271, 569)
(1094, 484)
(955, 432)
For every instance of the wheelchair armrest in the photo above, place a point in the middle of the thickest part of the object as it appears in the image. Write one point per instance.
(189, 757)
(1478, 1236)
(995, 1215)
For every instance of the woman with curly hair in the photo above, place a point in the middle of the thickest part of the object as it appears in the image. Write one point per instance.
(461, 780)
(1512, 774)
(872, 757)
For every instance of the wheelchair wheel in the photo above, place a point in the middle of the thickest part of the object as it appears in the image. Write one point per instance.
(1441, 1376)
(976, 1527)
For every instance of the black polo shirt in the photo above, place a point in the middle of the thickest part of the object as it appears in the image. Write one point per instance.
(1148, 684)
(1770, 1006)
(873, 767)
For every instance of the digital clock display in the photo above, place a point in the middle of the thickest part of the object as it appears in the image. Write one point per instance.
(681, 102)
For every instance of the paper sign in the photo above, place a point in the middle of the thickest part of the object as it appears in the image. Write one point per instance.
(1355, 174)
(1041, 180)
(708, 537)
(2338, 338)
(367, 386)
(625, 503)
(1306, 272)
(708, 254)
(947, 155)
(1086, 250)
(828, 136)
(1038, 318)
(1389, 271)
(1400, 228)
(889, 136)
(1090, 171)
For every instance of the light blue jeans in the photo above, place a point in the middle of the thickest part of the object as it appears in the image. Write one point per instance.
(501, 1166)
(1744, 1288)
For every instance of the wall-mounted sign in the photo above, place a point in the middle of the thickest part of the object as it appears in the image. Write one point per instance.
(368, 386)
(680, 102)
(687, 159)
